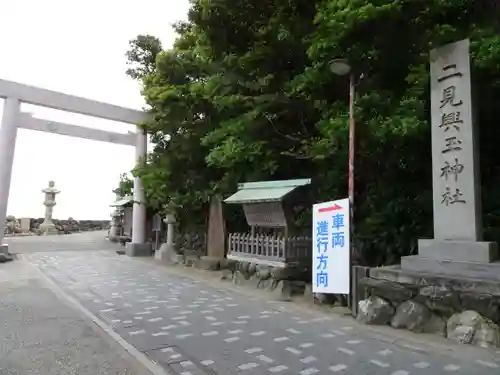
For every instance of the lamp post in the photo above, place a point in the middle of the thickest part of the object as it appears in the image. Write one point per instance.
(341, 67)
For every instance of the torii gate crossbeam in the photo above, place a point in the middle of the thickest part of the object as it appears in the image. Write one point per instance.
(15, 93)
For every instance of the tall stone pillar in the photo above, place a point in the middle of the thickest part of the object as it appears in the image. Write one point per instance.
(138, 246)
(457, 248)
(8, 135)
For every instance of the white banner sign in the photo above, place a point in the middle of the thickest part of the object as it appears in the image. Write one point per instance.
(331, 247)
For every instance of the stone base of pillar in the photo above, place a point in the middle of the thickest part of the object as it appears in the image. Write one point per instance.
(167, 253)
(455, 258)
(460, 251)
(5, 256)
(4, 249)
(139, 249)
(208, 263)
(451, 268)
(48, 229)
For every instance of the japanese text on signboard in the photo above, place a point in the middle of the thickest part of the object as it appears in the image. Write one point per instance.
(330, 235)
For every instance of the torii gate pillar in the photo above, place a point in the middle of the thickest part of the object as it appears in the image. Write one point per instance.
(12, 119)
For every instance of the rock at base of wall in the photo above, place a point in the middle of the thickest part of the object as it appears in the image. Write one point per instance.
(284, 290)
(389, 290)
(265, 284)
(190, 259)
(229, 264)
(239, 278)
(207, 263)
(264, 272)
(226, 274)
(485, 304)
(416, 317)
(469, 327)
(436, 325)
(287, 273)
(375, 310)
(440, 299)
(411, 315)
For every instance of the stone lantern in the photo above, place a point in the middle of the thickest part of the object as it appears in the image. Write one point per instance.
(48, 227)
(116, 215)
(168, 250)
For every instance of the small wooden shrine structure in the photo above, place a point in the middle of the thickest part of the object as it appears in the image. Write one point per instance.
(268, 211)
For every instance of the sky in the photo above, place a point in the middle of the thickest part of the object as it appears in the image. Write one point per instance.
(75, 47)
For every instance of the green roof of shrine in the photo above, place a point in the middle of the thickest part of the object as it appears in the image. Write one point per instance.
(265, 191)
(123, 202)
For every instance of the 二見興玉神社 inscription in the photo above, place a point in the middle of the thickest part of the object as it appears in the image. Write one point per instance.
(455, 175)
(457, 248)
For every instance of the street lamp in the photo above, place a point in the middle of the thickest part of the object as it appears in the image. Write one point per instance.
(342, 67)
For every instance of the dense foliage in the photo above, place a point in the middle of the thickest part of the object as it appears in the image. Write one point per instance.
(246, 94)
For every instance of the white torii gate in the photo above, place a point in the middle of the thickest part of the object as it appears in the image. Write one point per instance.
(15, 93)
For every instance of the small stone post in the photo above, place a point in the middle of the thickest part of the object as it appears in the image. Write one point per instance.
(48, 227)
(216, 237)
(168, 250)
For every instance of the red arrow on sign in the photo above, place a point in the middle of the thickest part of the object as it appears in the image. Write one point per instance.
(328, 209)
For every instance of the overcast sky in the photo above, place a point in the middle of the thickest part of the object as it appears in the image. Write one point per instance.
(76, 47)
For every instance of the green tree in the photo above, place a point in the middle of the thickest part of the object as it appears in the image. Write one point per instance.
(141, 56)
(246, 94)
(125, 186)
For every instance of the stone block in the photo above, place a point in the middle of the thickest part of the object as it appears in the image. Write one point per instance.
(4, 249)
(476, 270)
(459, 251)
(190, 259)
(392, 291)
(459, 283)
(5, 258)
(139, 249)
(207, 263)
(440, 299)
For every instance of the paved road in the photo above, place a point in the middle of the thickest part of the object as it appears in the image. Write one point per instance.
(193, 327)
(41, 334)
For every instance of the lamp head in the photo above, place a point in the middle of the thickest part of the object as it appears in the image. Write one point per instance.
(340, 67)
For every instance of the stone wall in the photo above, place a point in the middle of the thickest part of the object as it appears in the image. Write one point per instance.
(192, 242)
(13, 225)
(285, 283)
(463, 316)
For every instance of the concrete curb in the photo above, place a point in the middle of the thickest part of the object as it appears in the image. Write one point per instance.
(141, 358)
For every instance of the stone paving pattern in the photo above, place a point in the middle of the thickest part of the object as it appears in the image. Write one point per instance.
(40, 334)
(192, 328)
